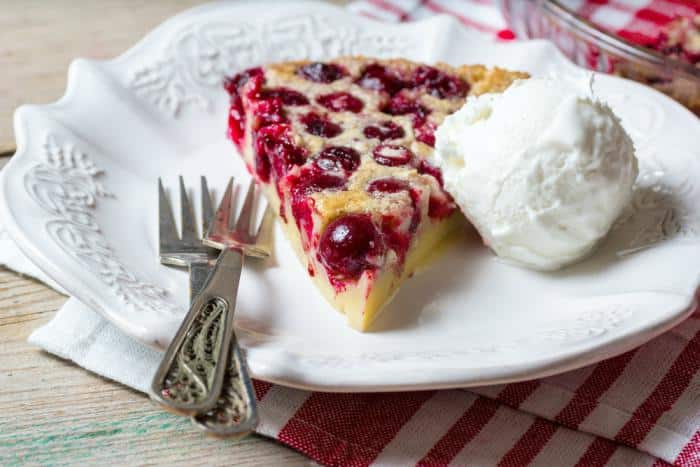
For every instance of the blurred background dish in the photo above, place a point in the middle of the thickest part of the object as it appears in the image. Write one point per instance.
(666, 57)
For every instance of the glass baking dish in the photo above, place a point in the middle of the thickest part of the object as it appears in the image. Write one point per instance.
(591, 47)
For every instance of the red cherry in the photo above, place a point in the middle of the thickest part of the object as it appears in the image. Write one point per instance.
(341, 102)
(439, 208)
(425, 133)
(320, 125)
(387, 185)
(322, 72)
(384, 130)
(392, 155)
(402, 105)
(338, 158)
(274, 149)
(234, 84)
(438, 83)
(310, 181)
(347, 244)
(379, 78)
(267, 112)
(237, 115)
(286, 95)
(236, 120)
(394, 185)
(425, 167)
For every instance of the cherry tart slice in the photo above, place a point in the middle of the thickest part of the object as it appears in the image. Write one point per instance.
(342, 150)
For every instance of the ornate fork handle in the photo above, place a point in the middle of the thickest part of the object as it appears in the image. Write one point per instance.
(191, 374)
(235, 414)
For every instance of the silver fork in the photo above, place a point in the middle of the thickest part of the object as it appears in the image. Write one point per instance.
(189, 379)
(236, 413)
(186, 250)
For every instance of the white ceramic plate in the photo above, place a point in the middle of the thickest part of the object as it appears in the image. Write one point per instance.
(79, 198)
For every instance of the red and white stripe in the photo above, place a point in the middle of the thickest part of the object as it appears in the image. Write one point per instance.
(641, 408)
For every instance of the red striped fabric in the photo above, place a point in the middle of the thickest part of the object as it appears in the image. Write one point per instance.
(640, 408)
(462, 432)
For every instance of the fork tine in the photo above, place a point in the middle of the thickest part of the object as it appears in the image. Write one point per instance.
(207, 209)
(220, 221)
(167, 231)
(245, 218)
(189, 228)
(263, 237)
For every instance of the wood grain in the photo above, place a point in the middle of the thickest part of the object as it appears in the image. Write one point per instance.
(52, 412)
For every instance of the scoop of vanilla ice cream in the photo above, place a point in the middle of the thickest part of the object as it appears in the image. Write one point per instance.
(542, 170)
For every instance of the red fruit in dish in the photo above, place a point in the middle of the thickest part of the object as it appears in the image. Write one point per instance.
(286, 95)
(425, 167)
(341, 102)
(439, 208)
(347, 244)
(402, 105)
(274, 149)
(237, 118)
(379, 78)
(307, 182)
(392, 155)
(438, 83)
(337, 159)
(319, 125)
(387, 185)
(425, 133)
(322, 72)
(234, 84)
(394, 185)
(267, 112)
(384, 130)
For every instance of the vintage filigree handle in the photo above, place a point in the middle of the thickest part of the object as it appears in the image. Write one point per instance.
(191, 374)
(235, 413)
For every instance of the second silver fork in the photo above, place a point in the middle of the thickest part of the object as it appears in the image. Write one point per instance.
(189, 379)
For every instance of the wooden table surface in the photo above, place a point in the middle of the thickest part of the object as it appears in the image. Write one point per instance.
(52, 412)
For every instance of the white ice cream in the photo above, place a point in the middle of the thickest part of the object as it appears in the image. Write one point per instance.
(542, 170)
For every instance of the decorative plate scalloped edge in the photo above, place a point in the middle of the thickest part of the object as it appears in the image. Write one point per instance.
(79, 199)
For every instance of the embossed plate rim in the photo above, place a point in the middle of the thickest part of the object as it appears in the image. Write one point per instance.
(306, 368)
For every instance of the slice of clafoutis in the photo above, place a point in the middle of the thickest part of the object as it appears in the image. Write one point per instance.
(342, 151)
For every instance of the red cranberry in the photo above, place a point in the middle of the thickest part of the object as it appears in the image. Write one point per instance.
(378, 78)
(338, 158)
(392, 155)
(402, 105)
(394, 185)
(425, 133)
(439, 208)
(311, 180)
(267, 112)
(233, 85)
(425, 167)
(321, 72)
(346, 245)
(320, 126)
(274, 146)
(438, 83)
(286, 95)
(384, 130)
(236, 120)
(307, 182)
(341, 102)
(237, 116)
(395, 238)
(387, 185)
